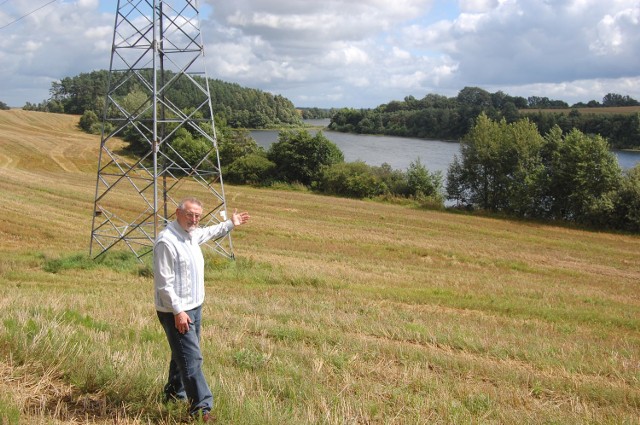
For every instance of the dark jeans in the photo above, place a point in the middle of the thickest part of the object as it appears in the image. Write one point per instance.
(186, 379)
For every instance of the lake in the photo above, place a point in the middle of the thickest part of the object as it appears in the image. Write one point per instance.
(399, 152)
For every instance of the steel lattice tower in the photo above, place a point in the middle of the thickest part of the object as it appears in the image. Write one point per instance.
(157, 56)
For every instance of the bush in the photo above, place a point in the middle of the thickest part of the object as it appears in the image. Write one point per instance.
(88, 121)
(421, 182)
(97, 128)
(187, 152)
(626, 201)
(234, 144)
(253, 168)
(300, 157)
(353, 179)
(583, 175)
(394, 181)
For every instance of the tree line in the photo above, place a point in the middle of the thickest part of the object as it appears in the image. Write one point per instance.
(513, 169)
(507, 168)
(507, 165)
(240, 107)
(317, 113)
(450, 118)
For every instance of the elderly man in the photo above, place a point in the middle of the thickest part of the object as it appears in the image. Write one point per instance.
(179, 293)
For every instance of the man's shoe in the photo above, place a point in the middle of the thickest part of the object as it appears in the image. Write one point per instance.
(173, 398)
(204, 417)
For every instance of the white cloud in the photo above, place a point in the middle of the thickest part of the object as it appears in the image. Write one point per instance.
(617, 31)
(356, 53)
(400, 54)
(476, 6)
(345, 54)
(88, 4)
(32, 46)
(577, 90)
(360, 81)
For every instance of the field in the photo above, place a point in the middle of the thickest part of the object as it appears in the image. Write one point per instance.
(336, 311)
(586, 111)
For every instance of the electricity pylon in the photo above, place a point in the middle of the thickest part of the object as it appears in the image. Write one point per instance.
(144, 169)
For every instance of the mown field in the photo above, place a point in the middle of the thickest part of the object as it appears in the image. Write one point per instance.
(335, 311)
(598, 110)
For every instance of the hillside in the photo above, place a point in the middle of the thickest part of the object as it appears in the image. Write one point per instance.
(238, 106)
(335, 311)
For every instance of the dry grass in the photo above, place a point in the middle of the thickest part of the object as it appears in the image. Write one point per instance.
(336, 310)
(586, 111)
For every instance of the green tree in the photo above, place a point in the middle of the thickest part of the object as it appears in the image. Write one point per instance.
(523, 167)
(4, 106)
(241, 107)
(615, 99)
(626, 201)
(583, 176)
(500, 167)
(82, 92)
(300, 157)
(88, 121)
(253, 168)
(346, 119)
(421, 182)
(473, 179)
(189, 152)
(137, 103)
(234, 144)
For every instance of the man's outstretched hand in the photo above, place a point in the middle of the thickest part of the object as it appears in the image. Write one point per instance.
(239, 218)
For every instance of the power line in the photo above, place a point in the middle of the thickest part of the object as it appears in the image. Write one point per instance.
(25, 15)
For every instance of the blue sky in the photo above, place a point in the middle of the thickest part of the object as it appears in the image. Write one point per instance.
(349, 53)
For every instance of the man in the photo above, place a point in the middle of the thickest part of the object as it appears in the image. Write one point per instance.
(179, 293)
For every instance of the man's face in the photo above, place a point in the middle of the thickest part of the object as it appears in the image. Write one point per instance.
(189, 217)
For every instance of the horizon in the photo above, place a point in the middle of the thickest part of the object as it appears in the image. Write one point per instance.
(399, 99)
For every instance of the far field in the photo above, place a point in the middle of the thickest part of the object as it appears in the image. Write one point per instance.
(600, 110)
(336, 311)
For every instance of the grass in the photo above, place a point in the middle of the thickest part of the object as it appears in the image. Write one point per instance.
(598, 110)
(336, 311)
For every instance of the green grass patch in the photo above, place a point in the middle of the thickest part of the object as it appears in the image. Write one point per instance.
(120, 261)
(9, 414)
(74, 317)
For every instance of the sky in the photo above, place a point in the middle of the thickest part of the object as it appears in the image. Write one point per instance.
(353, 53)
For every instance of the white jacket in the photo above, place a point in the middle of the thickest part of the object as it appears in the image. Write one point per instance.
(178, 266)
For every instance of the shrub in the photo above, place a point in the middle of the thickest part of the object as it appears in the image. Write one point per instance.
(300, 157)
(394, 182)
(253, 168)
(421, 182)
(354, 179)
(626, 201)
(188, 151)
(234, 144)
(88, 121)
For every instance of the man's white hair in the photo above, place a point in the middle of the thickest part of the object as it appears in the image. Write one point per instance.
(190, 200)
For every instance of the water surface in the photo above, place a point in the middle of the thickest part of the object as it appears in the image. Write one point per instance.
(400, 152)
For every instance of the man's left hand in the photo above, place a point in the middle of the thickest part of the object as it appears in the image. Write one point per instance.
(239, 218)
